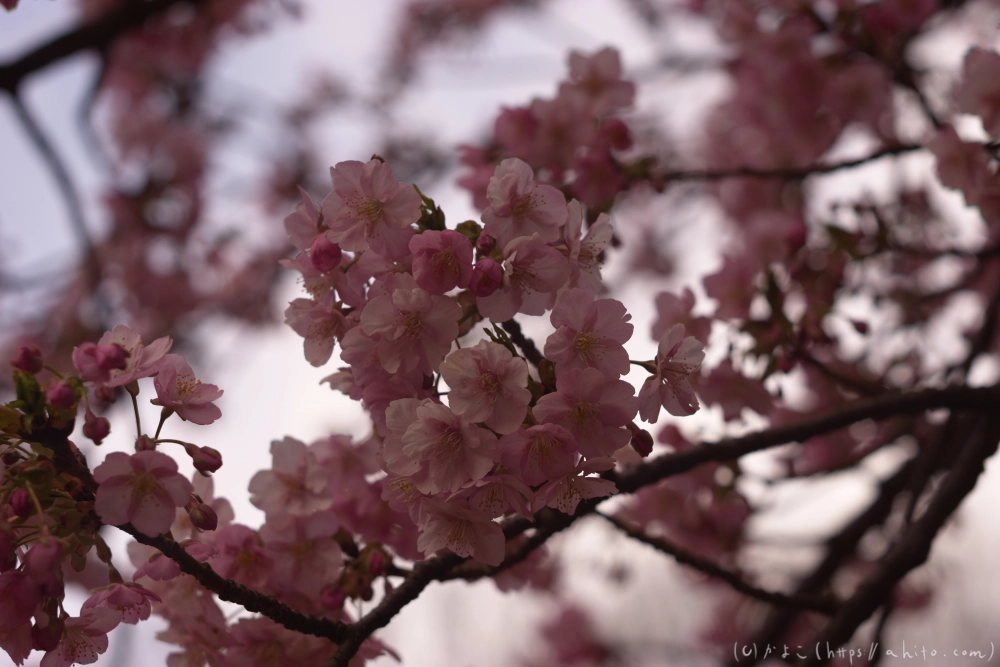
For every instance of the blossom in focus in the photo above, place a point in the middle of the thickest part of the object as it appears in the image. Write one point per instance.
(565, 493)
(452, 451)
(521, 207)
(442, 260)
(141, 361)
(370, 208)
(676, 359)
(320, 323)
(177, 388)
(488, 384)
(586, 251)
(589, 334)
(143, 489)
(592, 408)
(532, 274)
(83, 639)
(540, 452)
(130, 601)
(464, 531)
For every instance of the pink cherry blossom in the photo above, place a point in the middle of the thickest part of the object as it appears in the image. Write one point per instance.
(677, 358)
(586, 251)
(416, 327)
(565, 493)
(305, 555)
(442, 260)
(296, 484)
(733, 391)
(521, 207)
(451, 450)
(320, 323)
(241, 556)
(370, 208)
(593, 408)
(589, 334)
(487, 276)
(302, 224)
(143, 360)
(83, 639)
(540, 452)
(979, 92)
(177, 388)
(488, 384)
(130, 601)
(672, 309)
(464, 531)
(143, 489)
(495, 495)
(598, 78)
(533, 273)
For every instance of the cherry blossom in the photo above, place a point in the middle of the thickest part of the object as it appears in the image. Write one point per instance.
(83, 639)
(294, 485)
(565, 493)
(539, 452)
(370, 208)
(130, 601)
(466, 532)
(416, 328)
(593, 408)
(142, 360)
(178, 389)
(320, 323)
(586, 251)
(533, 272)
(677, 358)
(143, 489)
(488, 384)
(442, 260)
(521, 207)
(304, 553)
(589, 334)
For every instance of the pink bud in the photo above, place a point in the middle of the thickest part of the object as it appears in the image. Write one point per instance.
(43, 564)
(332, 597)
(205, 459)
(616, 132)
(105, 394)
(96, 428)
(203, 517)
(144, 444)
(46, 637)
(111, 357)
(20, 502)
(28, 359)
(487, 276)
(485, 244)
(642, 441)
(324, 254)
(376, 561)
(61, 395)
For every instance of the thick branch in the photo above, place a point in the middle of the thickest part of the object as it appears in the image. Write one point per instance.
(915, 545)
(684, 557)
(525, 344)
(251, 600)
(880, 407)
(96, 34)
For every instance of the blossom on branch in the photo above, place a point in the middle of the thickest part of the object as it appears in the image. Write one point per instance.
(143, 489)
(676, 359)
(178, 389)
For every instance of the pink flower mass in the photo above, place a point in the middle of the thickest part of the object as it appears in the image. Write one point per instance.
(142, 489)
(800, 205)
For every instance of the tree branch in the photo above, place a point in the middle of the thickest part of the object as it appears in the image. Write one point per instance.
(525, 344)
(789, 173)
(684, 557)
(96, 34)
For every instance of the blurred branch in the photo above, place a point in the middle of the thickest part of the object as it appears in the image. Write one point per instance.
(684, 557)
(96, 34)
(59, 172)
(790, 173)
(913, 548)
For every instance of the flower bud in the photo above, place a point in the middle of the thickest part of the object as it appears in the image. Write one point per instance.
(324, 254)
(642, 440)
(486, 278)
(202, 516)
(28, 359)
(46, 637)
(332, 597)
(205, 459)
(20, 502)
(144, 444)
(61, 395)
(485, 244)
(111, 357)
(105, 394)
(616, 133)
(376, 563)
(96, 428)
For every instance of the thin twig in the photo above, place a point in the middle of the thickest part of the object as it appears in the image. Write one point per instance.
(684, 557)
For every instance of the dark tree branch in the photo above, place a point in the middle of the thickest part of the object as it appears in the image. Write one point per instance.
(788, 173)
(525, 344)
(97, 34)
(684, 557)
(915, 545)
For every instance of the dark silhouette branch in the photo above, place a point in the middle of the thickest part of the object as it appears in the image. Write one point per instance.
(684, 557)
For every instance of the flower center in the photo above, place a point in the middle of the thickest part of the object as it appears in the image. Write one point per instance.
(581, 414)
(588, 345)
(445, 262)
